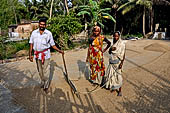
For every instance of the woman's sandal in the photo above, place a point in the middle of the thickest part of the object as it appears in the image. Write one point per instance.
(119, 94)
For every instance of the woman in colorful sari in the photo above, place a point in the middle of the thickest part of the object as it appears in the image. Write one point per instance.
(113, 77)
(95, 55)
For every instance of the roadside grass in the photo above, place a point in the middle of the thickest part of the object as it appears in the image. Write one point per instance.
(10, 49)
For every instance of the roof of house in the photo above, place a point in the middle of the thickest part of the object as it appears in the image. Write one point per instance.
(24, 23)
(13, 25)
(34, 21)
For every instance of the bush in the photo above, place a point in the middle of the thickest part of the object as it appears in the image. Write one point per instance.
(9, 49)
(63, 27)
(139, 35)
(2, 47)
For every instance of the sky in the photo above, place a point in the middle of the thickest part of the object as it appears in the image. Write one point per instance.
(37, 0)
(29, 0)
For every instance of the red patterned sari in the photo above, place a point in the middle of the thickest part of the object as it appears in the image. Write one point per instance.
(96, 60)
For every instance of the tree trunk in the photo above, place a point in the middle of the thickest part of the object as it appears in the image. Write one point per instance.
(114, 27)
(149, 19)
(85, 28)
(15, 17)
(121, 32)
(152, 16)
(12, 2)
(144, 21)
(51, 8)
(115, 23)
(66, 7)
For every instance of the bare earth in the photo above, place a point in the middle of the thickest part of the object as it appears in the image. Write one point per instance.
(146, 87)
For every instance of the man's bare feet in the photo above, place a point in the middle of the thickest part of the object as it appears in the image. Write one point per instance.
(46, 90)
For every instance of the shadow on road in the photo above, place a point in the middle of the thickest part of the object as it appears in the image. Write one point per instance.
(36, 101)
(26, 92)
(151, 99)
(83, 69)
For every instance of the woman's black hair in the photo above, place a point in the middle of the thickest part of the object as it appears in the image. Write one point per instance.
(116, 32)
(114, 41)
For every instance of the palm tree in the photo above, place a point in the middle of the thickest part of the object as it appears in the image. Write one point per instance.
(115, 6)
(96, 14)
(132, 4)
(57, 6)
(156, 2)
(34, 9)
(14, 10)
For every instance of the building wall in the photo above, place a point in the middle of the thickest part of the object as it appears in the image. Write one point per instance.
(24, 30)
(34, 26)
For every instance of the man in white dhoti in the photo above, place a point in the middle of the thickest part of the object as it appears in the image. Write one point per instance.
(113, 77)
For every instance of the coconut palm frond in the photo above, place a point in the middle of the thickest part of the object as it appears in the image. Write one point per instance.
(146, 3)
(109, 17)
(127, 9)
(106, 9)
(125, 5)
(83, 12)
(86, 9)
(161, 2)
(84, 6)
(101, 24)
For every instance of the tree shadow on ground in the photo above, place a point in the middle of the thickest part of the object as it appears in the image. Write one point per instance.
(154, 98)
(14, 77)
(83, 69)
(17, 78)
(26, 92)
(35, 100)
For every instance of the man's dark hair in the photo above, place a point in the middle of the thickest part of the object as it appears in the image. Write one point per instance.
(43, 20)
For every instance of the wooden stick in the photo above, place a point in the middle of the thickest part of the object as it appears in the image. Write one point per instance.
(66, 75)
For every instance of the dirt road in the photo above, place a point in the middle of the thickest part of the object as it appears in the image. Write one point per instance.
(146, 84)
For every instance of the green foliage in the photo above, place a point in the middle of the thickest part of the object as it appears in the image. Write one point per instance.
(42, 8)
(95, 13)
(62, 27)
(2, 47)
(14, 47)
(139, 35)
(9, 49)
(12, 11)
(130, 4)
(23, 45)
(7, 12)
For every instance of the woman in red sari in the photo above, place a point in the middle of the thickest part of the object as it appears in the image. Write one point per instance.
(95, 55)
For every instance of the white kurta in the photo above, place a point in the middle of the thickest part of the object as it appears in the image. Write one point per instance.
(42, 42)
